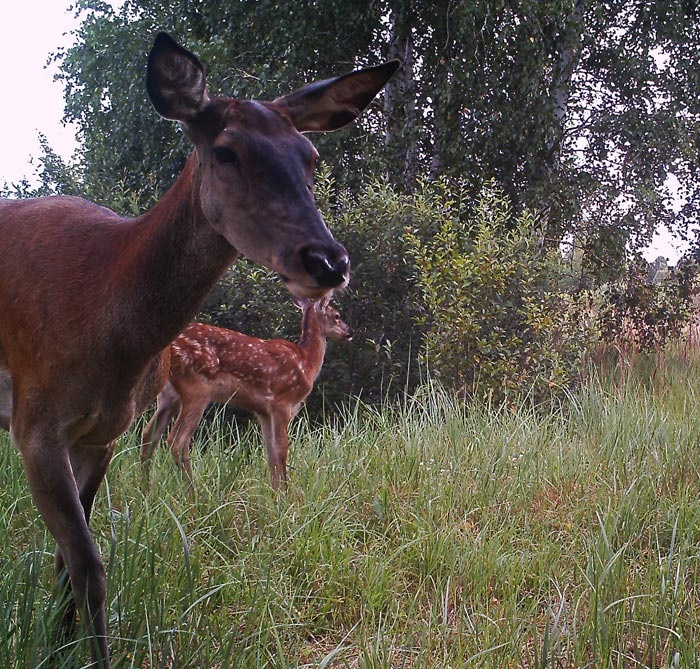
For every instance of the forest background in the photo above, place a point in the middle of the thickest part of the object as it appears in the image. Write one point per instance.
(494, 201)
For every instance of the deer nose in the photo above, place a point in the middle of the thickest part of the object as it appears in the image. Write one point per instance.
(328, 265)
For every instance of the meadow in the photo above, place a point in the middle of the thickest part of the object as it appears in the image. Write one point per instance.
(423, 534)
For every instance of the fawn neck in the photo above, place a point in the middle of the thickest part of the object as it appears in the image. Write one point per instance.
(312, 341)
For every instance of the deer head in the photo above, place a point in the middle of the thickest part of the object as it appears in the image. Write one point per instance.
(256, 167)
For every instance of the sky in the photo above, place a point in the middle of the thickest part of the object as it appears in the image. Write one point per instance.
(32, 102)
(30, 30)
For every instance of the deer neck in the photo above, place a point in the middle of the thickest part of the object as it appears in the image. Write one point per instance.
(312, 342)
(171, 258)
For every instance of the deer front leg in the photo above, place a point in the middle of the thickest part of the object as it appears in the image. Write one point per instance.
(5, 398)
(181, 434)
(167, 404)
(64, 493)
(89, 466)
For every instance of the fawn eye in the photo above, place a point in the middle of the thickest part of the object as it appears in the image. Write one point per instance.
(225, 156)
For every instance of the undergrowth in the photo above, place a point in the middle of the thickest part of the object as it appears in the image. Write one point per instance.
(420, 534)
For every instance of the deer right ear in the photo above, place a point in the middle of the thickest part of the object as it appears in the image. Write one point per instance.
(175, 80)
(333, 103)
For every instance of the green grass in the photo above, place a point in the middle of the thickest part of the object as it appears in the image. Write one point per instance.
(425, 535)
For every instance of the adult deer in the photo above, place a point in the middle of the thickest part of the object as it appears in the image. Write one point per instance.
(90, 301)
(269, 378)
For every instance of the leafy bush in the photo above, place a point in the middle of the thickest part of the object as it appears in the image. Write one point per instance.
(496, 320)
(379, 304)
(381, 301)
(467, 285)
(641, 312)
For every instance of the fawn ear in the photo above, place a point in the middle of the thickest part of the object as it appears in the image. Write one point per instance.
(301, 302)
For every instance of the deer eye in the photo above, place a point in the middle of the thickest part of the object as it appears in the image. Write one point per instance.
(225, 156)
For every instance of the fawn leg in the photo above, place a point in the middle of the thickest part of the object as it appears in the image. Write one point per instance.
(181, 434)
(274, 428)
(168, 402)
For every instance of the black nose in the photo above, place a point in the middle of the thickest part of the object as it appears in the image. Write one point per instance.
(328, 265)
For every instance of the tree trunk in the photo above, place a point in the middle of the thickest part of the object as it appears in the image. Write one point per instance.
(401, 135)
(567, 56)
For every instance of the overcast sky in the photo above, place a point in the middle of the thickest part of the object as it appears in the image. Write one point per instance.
(32, 102)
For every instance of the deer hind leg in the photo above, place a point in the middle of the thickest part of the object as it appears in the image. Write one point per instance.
(275, 433)
(167, 404)
(181, 434)
(63, 487)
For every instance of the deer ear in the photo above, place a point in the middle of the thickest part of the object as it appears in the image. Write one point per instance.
(175, 80)
(333, 103)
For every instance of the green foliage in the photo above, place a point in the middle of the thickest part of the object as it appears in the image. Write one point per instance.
(579, 110)
(381, 299)
(496, 321)
(251, 49)
(643, 313)
(379, 303)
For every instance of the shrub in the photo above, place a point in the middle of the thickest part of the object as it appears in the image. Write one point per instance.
(496, 321)
(379, 303)
(642, 312)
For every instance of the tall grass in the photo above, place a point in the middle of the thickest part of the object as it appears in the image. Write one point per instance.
(427, 534)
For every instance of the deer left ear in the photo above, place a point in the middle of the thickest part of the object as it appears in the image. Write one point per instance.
(175, 80)
(333, 103)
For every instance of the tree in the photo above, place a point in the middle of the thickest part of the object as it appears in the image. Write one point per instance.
(579, 110)
(634, 113)
(253, 49)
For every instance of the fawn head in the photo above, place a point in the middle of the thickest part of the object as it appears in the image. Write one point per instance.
(330, 324)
